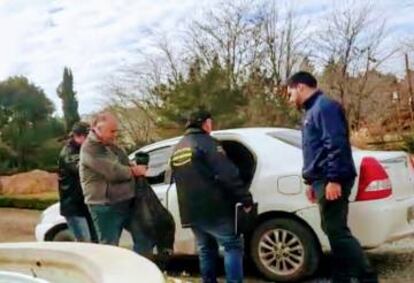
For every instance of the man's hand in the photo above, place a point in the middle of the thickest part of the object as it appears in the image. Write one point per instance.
(333, 191)
(310, 194)
(247, 209)
(138, 170)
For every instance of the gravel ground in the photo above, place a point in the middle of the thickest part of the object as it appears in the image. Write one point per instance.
(394, 262)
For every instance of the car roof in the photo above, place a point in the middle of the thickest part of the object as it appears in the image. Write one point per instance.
(253, 130)
(236, 131)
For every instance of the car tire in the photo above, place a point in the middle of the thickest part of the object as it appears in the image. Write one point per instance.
(284, 250)
(60, 233)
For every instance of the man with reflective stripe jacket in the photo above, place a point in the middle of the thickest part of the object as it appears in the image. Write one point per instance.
(208, 187)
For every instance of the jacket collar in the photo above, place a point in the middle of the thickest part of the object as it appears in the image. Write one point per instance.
(312, 99)
(93, 137)
(194, 130)
(74, 144)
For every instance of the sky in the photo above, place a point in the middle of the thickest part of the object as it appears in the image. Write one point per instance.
(95, 38)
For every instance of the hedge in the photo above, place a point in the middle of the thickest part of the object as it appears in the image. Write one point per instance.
(26, 202)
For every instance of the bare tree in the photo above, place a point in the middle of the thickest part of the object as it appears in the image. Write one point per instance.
(137, 124)
(407, 48)
(352, 42)
(282, 49)
(130, 96)
(229, 32)
(284, 37)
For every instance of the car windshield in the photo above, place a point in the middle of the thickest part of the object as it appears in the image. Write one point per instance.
(291, 137)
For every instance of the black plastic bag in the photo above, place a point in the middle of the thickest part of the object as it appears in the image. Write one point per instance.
(152, 218)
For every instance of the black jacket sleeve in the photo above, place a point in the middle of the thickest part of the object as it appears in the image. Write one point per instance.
(225, 172)
(70, 160)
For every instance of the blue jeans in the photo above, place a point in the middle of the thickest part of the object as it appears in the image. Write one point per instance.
(78, 225)
(110, 220)
(207, 236)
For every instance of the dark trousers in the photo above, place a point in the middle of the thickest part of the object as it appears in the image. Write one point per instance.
(348, 256)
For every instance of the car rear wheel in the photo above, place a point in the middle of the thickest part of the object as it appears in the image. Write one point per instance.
(284, 250)
(60, 233)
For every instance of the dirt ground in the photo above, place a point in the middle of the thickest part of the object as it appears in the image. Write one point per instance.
(394, 262)
(17, 225)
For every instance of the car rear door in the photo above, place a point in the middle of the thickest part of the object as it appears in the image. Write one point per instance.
(159, 175)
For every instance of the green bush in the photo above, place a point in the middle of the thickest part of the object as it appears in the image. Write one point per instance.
(408, 143)
(48, 154)
(26, 203)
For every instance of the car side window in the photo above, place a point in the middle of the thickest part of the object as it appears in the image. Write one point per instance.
(158, 164)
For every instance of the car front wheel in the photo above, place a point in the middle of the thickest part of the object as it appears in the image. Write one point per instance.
(284, 250)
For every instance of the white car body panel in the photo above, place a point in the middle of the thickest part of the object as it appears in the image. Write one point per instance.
(50, 218)
(278, 167)
(74, 262)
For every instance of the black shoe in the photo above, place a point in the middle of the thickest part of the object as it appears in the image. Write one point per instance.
(346, 280)
(369, 277)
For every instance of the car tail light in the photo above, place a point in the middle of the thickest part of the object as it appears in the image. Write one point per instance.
(411, 158)
(374, 182)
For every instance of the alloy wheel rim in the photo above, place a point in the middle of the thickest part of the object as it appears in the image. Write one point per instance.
(281, 252)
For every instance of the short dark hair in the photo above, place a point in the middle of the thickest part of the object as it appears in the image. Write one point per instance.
(80, 129)
(197, 118)
(302, 77)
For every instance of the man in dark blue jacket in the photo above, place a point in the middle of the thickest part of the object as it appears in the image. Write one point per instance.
(329, 172)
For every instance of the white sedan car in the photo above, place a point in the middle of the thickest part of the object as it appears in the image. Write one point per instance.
(287, 242)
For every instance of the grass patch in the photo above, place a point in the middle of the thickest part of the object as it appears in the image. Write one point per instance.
(33, 201)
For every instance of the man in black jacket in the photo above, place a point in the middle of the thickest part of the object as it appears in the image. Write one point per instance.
(208, 187)
(329, 172)
(72, 204)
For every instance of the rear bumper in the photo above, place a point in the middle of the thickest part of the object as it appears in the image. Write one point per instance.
(377, 222)
(372, 222)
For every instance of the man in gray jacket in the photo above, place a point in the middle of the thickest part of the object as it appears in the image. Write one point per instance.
(107, 178)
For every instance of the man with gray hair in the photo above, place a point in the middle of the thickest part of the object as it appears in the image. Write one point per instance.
(107, 178)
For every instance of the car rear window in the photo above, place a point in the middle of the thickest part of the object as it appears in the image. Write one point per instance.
(294, 138)
(291, 137)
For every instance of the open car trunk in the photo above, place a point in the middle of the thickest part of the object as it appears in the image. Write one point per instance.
(242, 158)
